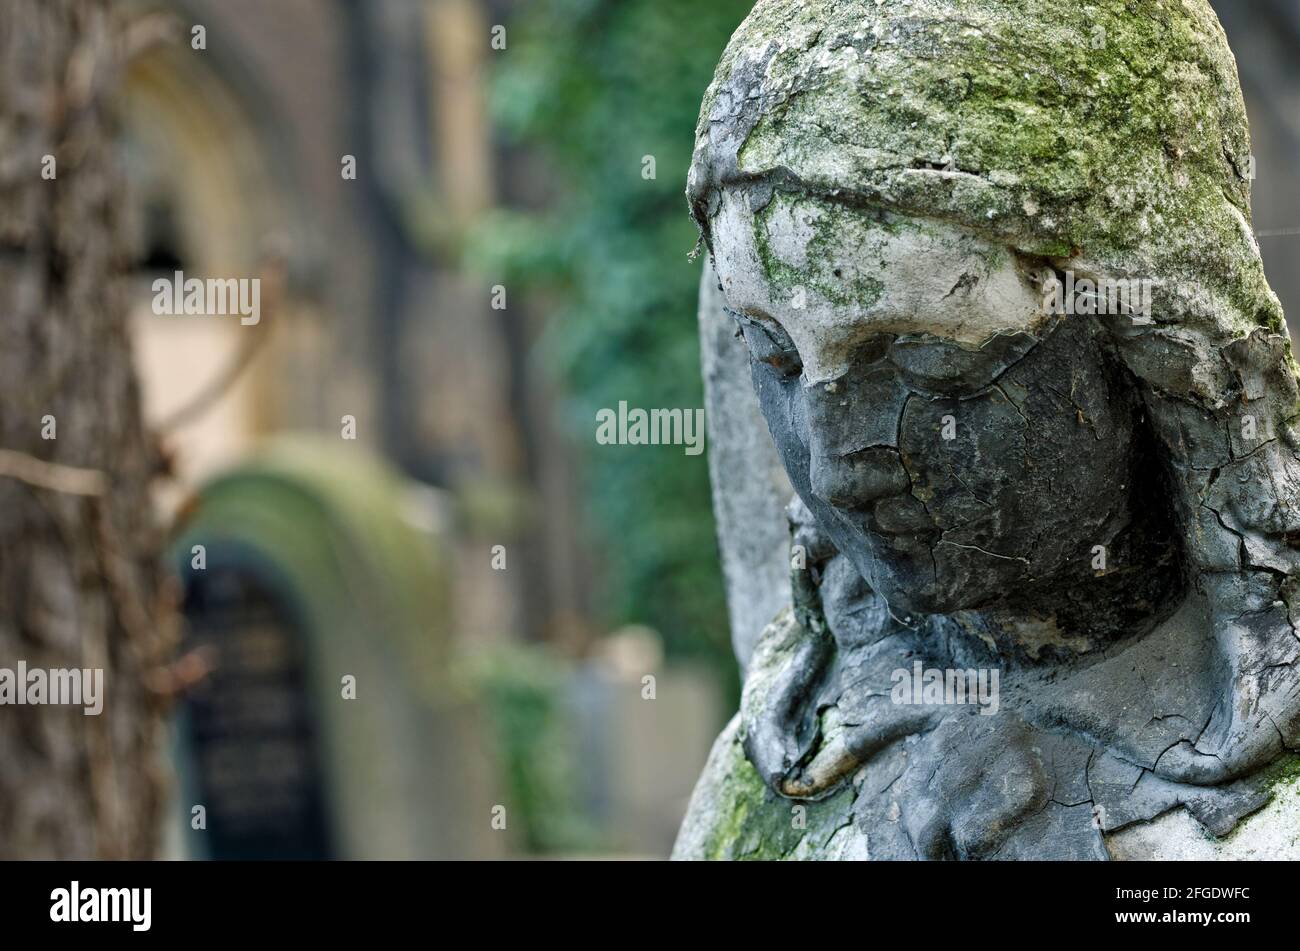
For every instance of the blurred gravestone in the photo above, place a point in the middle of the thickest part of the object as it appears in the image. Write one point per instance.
(329, 726)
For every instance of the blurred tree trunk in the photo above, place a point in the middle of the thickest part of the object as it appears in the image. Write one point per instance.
(79, 582)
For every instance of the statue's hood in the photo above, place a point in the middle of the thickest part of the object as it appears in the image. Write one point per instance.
(1111, 135)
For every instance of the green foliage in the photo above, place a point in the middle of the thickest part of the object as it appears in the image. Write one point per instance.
(521, 690)
(596, 85)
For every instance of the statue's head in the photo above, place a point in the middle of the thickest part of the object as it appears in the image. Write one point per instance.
(993, 263)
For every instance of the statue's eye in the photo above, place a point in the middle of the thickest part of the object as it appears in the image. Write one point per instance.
(769, 344)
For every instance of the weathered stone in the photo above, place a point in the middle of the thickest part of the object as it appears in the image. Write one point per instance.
(750, 488)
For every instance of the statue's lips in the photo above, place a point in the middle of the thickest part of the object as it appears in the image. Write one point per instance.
(885, 544)
(867, 523)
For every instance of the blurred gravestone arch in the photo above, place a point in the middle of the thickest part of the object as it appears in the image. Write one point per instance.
(332, 722)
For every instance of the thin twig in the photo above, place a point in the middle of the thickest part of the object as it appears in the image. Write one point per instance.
(51, 475)
(215, 388)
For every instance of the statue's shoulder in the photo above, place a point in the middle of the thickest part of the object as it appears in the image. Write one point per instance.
(734, 815)
(720, 804)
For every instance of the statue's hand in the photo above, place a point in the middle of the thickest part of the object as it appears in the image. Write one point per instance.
(778, 704)
(811, 716)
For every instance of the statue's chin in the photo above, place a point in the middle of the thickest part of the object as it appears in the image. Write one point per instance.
(910, 604)
(900, 568)
(908, 586)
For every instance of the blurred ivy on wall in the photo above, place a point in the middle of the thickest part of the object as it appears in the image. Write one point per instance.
(595, 86)
(521, 689)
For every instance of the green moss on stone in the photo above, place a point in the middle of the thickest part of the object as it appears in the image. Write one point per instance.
(831, 225)
(751, 822)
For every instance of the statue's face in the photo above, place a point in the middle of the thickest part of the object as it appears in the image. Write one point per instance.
(961, 446)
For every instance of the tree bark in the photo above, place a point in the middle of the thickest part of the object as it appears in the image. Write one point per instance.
(79, 568)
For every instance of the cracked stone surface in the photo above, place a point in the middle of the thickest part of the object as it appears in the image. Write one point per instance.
(1099, 506)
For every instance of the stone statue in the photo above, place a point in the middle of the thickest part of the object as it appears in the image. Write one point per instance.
(1009, 329)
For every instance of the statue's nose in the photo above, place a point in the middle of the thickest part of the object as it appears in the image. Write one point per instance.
(855, 480)
(853, 427)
